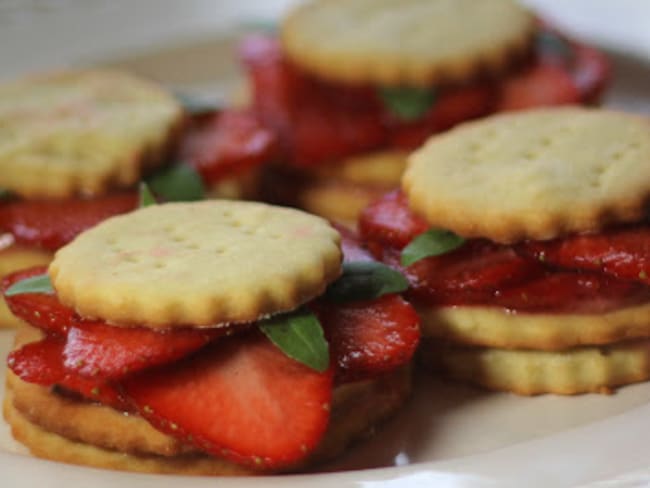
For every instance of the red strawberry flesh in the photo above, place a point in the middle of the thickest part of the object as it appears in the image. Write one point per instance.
(623, 252)
(96, 349)
(228, 143)
(533, 277)
(370, 338)
(42, 363)
(42, 310)
(241, 399)
(50, 224)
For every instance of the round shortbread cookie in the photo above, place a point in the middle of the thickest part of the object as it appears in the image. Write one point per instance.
(82, 132)
(202, 264)
(569, 372)
(48, 445)
(412, 42)
(381, 169)
(533, 175)
(498, 327)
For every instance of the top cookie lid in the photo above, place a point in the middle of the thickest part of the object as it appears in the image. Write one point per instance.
(534, 175)
(82, 132)
(197, 264)
(406, 42)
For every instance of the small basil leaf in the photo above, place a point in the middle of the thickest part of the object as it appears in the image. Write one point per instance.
(178, 183)
(198, 105)
(300, 336)
(4, 194)
(145, 197)
(554, 44)
(35, 284)
(407, 103)
(433, 242)
(366, 280)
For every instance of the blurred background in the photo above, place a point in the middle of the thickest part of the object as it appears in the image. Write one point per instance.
(36, 34)
(189, 43)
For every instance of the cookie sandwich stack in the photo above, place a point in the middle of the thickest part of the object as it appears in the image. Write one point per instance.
(75, 144)
(526, 242)
(351, 87)
(211, 337)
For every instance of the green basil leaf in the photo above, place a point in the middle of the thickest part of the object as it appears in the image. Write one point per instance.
(366, 280)
(433, 242)
(35, 284)
(145, 196)
(407, 103)
(178, 183)
(300, 336)
(198, 105)
(554, 44)
(4, 194)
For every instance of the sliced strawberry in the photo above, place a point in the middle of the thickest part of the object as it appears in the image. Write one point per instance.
(96, 349)
(538, 85)
(572, 292)
(42, 310)
(50, 224)
(388, 222)
(241, 399)
(42, 363)
(371, 337)
(228, 143)
(452, 107)
(326, 131)
(623, 252)
(591, 73)
(469, 275)
(316, 121)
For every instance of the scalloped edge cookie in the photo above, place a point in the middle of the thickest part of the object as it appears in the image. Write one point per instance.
(525, 372)
(413, 42)
(205, 263)
(535, 175)
(83, 132)
(497, 327)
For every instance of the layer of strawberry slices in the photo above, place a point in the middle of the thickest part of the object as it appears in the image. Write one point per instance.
(318, 121)
(586, 273)
(217, 145)
(227, 390)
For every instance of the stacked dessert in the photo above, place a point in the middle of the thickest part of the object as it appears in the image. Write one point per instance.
(526, 242)
(351, 87)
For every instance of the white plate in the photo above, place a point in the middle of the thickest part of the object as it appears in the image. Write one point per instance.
(448, 435)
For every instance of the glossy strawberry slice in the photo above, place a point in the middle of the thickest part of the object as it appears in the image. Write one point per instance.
(42, 310)
(623, 252)
(50, 224)
(388, 222)
(539, 85)
(316, 121)
(96, 349)
(451, 107)
(469, 275)
(240, 399)
(228, 143)
(371, 337)
(42, 363)
(572, 292)
(591, 73)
